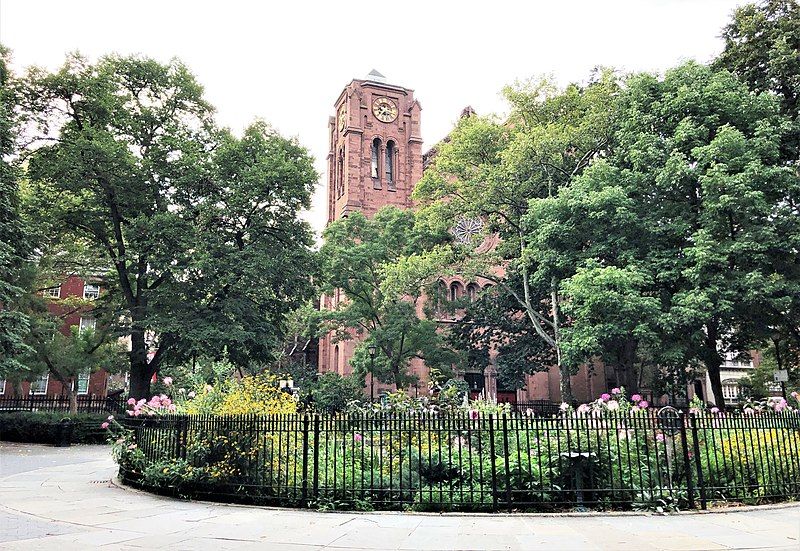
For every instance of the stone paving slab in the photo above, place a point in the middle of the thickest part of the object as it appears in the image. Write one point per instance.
(63, 499)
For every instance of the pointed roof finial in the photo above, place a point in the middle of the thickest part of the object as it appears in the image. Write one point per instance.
(375, 76)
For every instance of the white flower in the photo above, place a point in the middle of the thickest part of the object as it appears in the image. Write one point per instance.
(564, 406)
(192, 394)
(613, 405)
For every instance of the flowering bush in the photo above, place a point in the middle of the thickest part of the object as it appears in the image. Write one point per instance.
(615, 403)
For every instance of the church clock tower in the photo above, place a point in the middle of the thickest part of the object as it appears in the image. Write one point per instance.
(375, 160)
(375, 154)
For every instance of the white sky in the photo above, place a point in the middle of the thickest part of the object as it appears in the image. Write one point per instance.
(286, 62)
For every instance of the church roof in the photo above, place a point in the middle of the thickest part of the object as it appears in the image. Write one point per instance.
(375, 76)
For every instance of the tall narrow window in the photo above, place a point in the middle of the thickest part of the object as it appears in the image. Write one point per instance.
(340, 174)
(472, 291)
(375, 151)
(388, 165)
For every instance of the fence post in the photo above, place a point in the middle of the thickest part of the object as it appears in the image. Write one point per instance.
(491, 459)
(316, 457)
(508, 468)
(686, 461)
(304, 494)
(701, 486)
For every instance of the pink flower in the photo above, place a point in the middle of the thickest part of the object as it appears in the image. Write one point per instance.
(643, 404)
(605, 396)
(583, 409)
(104, 425)
(636, 398)
(168, 381)
(660, 437)
(474, 414)
(795, 395)
(357, 437)
(615, 391)
(715, 410)
(613, 405)
(131, 401)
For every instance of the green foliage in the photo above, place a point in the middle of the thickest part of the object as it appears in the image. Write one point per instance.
(15, 244)
(199, 227)
(331, 393)
(381, 267)
(496, 171)
(425, 463)
(41, 427)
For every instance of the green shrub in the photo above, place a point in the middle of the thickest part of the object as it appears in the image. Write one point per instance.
(40, 427)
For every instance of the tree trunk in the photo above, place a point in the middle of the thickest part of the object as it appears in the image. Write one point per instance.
(713, 362)
(141, 371)
(73, 398)
(564, 371)
(627, 373)
(17, 388)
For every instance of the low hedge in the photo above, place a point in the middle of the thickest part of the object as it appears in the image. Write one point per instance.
(40, 427)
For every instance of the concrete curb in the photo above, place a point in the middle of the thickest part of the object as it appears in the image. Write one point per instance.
(116, 482)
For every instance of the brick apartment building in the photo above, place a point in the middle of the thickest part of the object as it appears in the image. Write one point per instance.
(89, 384)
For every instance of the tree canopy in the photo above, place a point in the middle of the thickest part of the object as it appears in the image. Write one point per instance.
(199, 229)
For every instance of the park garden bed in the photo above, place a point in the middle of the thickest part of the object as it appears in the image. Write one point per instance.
(625, 458)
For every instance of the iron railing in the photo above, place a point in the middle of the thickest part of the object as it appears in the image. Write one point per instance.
(457, 462)
(86, 404)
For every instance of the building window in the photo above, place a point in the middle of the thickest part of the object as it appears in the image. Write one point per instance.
(455, 291)
(2, 386)
(87, 323)
(82, 383)
(375, 152)
(388, 165)
(52, 292)
(39, 386)
(731, 390)
(91, 291)
(472, 291)
(340, 173)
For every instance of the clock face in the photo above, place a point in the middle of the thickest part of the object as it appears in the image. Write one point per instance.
(342, 118)
(467, 228)
(384, 109)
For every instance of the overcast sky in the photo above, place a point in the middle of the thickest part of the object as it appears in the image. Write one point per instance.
(286, 62)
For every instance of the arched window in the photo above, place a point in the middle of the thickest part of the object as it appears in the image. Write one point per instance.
(441, 294)
(455, 291)
(472, 291)
(336, 358)
(375, 151)
(388, 165)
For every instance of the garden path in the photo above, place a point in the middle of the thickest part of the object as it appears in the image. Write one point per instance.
(56, 498)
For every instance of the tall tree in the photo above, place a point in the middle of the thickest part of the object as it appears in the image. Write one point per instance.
(200, 228)
(762, 47)
(697, 161)
(492, 171)
(14, 243)
(380, 268)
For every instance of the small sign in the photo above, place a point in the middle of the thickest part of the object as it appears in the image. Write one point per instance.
(780, 376)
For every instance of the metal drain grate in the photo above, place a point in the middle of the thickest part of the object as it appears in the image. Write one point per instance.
(100, 481)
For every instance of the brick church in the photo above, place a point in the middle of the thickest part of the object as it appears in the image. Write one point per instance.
(375, 159)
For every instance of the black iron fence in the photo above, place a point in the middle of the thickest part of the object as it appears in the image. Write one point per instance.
(535, 407)
(511, 462)
(86, 404)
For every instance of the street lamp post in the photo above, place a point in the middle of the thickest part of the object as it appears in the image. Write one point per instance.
(372, 350)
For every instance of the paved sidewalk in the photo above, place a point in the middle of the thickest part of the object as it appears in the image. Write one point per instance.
(62, 499)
